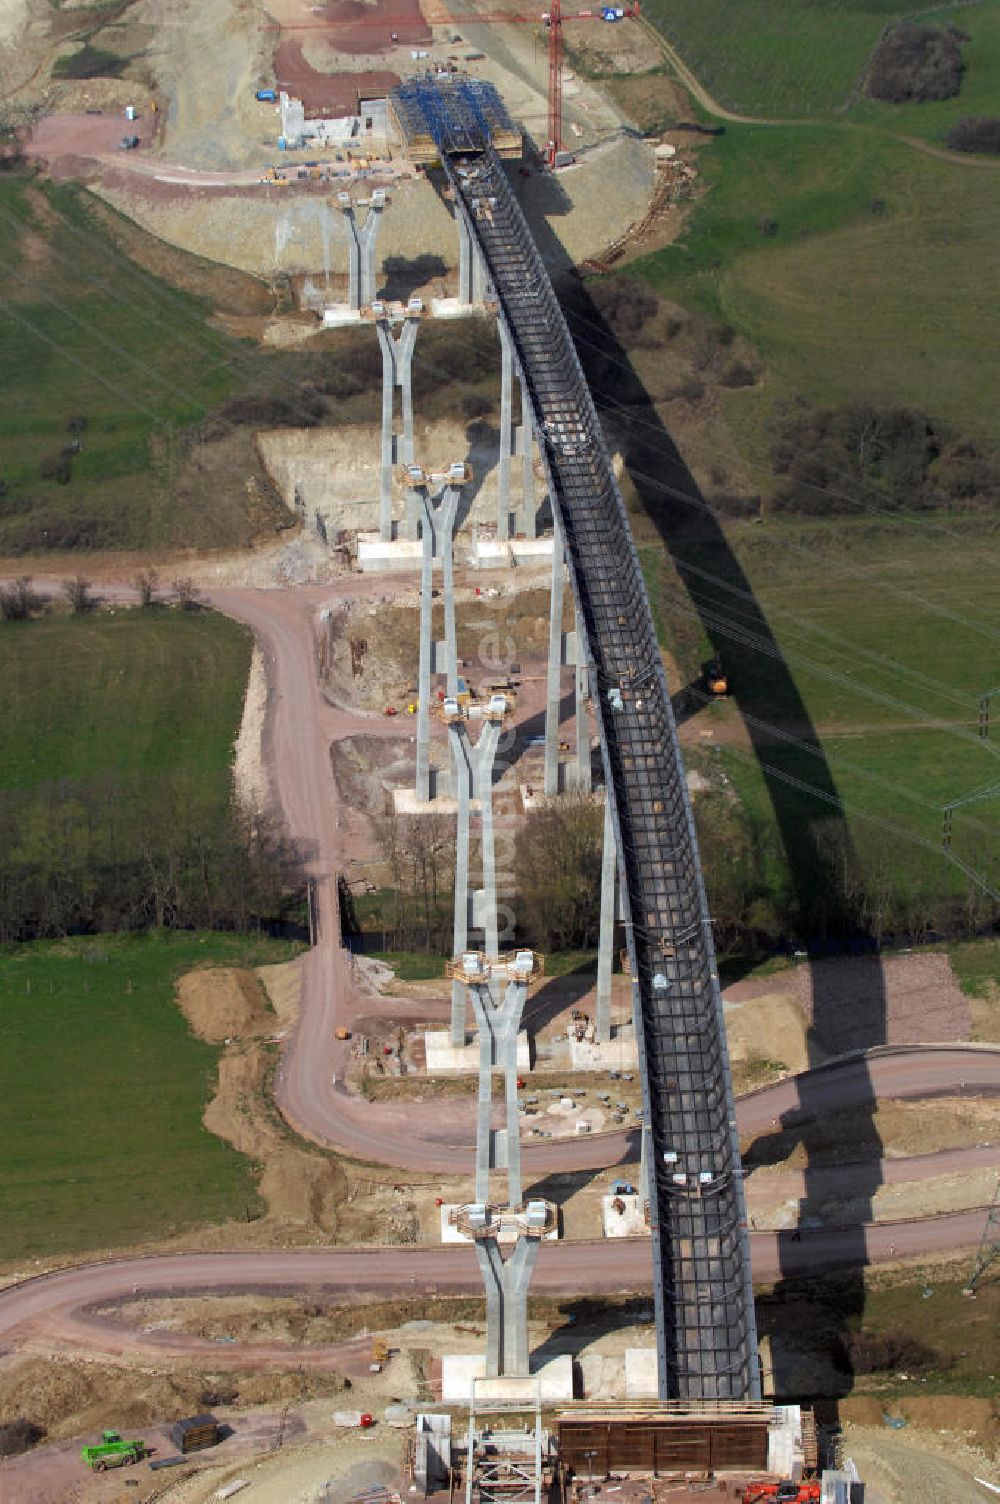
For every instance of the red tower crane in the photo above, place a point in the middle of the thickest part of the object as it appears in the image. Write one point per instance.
(552, 19)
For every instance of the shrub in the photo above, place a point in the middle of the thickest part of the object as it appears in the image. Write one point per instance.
(739, 373)
(837, 459)
(222, 1392)
(340, 384)
(976, 133)
(17, 1436)
(690, 389)
(916, 63)
(187, 593)
(18, 601)
(89, 62)
(878, 1352)
(628, 308)
(77, 593)
(476, 405)
(262, 410)
(57, 467)
(50, 530)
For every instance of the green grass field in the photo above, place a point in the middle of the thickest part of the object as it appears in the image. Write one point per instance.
(785, 59)
(980, 91)
(872, 283)
(977, 966)
(106, 341)
(889, 636)
(146, 696)
(116, 795)
(102, 1088)
(876, 284)
(775, 57)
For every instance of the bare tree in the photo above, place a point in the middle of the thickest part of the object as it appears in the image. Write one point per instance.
(18, 601)
(187, 593)
(558, 861)
(144, 584)
(77, 593)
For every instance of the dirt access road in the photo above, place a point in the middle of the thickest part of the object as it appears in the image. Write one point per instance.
(52, 1307)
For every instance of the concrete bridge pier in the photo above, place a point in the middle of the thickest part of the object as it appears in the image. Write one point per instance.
(507, 1285)
(438, 521)
(397, 371)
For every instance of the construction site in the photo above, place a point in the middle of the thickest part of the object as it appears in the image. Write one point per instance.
(478, 624)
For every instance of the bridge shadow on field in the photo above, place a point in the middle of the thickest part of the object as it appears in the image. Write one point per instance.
(810, 827)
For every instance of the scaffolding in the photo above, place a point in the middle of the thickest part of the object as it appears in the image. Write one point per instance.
(504, 1466)
(451, 113)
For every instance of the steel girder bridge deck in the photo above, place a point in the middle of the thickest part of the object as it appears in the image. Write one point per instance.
(706, 1333)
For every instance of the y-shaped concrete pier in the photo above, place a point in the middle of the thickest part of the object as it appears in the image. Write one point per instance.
(581, 681)
(361, 274)
(507, 1285)
(472, 283)
(499, 1023)
(506, 433)
(438, 524)
(473, 779)
(528, 520)
(498, 988)
(397, 371)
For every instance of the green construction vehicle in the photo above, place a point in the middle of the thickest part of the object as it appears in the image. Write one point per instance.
(112, 1451)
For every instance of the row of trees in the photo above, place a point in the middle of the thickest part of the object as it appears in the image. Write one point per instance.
(548, 877)
(19, 601)
(105, 855)
(861, 887)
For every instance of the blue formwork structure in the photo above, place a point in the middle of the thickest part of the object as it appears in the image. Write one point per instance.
(706, 1331)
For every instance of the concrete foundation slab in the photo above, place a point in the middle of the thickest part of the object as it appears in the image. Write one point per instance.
(443, 1056)
(459, 1369)
(623, 1217)
(453, 308)
(405, 801)
(640, 1373)
(373, 554)
(339, 313)
(491, 553)
(620, 1053)
(602, 1376)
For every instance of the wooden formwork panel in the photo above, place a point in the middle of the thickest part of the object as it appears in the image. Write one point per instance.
(663, 1444)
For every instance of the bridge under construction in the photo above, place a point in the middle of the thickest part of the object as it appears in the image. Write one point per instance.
(706, 1335)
